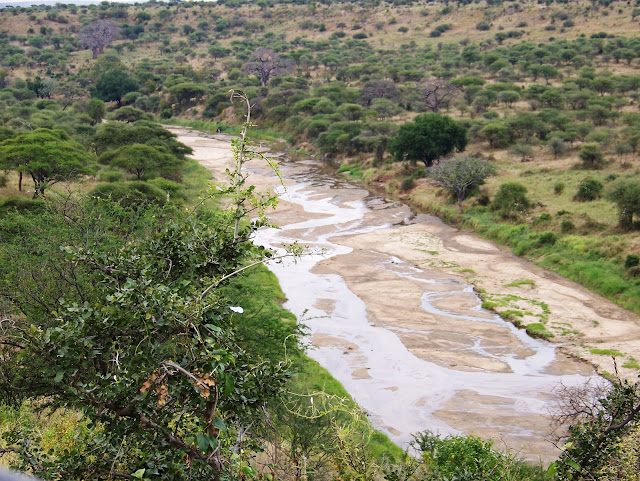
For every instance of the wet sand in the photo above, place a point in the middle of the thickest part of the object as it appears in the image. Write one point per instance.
(394, 318)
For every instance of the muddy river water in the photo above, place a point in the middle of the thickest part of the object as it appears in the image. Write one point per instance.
(393, 318)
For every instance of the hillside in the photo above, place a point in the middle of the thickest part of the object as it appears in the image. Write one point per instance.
(547, 92)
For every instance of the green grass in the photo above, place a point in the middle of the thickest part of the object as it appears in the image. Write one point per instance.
(537, 329)
(606, 352)
(521, 283)
(354, 170)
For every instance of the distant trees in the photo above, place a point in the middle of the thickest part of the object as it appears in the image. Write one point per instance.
(265, 64)
(461, 174)
(427, 138)
(98, 35)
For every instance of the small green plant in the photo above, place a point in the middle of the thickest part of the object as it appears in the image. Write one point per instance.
(632, 260)
(558, 188)
(524, 282)
(566, 226)
(606, 352)
(537, 329)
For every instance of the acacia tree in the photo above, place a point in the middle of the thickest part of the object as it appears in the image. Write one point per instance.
(428, 138)
(49, 156)
(461, 174)
(265, 64)
(140, 159)
(98, 35)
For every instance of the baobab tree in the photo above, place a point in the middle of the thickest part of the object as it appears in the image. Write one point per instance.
(438, 94)
(98, 35)
(265, 63)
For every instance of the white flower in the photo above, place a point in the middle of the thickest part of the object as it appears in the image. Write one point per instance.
(237, 309)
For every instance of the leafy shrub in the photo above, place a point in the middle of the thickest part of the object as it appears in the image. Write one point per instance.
(566, 226)
(632, 260)
(468, 458)
(109, 175)
(547, 238)
(135, 194)
(483, 26)
(360, 36)
(558, 188)
(408, 183)
(589, 189)
(174, 189)
(21, 204)
(511, 201)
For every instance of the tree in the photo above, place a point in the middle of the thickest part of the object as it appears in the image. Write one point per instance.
(597, 431)
(439, 94)
(113, 85)
(98, 35)
(265, 64)
(49, 156)
(591, 155)
(428, 138)
(461, 174)
(140, 159)
(96, 110)
(378, 89)
(626, 195)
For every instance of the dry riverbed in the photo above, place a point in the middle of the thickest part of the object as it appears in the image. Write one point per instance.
(582, 322)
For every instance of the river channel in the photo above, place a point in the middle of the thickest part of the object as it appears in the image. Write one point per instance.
(398, 326)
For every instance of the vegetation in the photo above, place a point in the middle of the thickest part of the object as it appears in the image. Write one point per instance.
(540, 91)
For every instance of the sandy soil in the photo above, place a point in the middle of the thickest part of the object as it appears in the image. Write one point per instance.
(579, 319)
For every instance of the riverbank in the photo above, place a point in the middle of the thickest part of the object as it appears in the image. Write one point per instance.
(394, 323)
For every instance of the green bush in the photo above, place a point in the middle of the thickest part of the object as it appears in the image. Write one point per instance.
(134, 194)
(4, 179)
(408, 183)
(511, 201)
(558, 188)
(174, 189)
(566, 226)
(109, 175)
(632, 260)
(589, 189)
(21, 204)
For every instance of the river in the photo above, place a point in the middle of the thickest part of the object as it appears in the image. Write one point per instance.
(395, 322)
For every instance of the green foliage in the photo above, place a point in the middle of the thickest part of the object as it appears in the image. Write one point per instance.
(427, 138)
(591, 155)
(143, 160)
(461, 174)
(469, 458)
(511, 201)
(594, 444)
(113, 85)
(589, 189)
(135, 195)
(626, 195)
(48, 156)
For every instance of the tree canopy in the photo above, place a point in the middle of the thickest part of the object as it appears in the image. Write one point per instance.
(48, 155)
(428, 138)
(461, 174)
